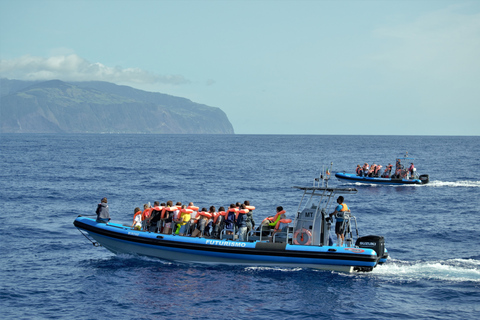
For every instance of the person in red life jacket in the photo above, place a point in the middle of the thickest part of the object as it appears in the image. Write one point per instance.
(411, 170)
(358, 171)
(372, 170)
(250, 221)
(103, 212)
(137, 219)
(218, 220)
(339, 214)
(387, 171)
(365, 168)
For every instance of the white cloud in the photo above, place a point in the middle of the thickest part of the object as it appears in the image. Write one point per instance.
(74, 68)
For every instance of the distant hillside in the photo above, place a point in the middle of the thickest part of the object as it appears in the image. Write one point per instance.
(101, 107)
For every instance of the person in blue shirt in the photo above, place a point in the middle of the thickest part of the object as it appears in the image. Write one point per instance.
(339, 214)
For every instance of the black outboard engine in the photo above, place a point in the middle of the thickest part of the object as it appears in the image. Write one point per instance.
(424, 178)
(376, 243)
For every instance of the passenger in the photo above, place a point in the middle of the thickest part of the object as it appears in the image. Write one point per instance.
(203, 216)
(209, 224)
(185, 216)
(167, 217)
(376, 172)
(398, 169)
(103, 212)
(242, 222)
(387, 171)
(250, 221)
(230, 219)
(190, 226)
(137, 219)
(365, 169)
(156, 214)
(269, 223)
(358, 171)
(218, 220)
(411, 170)
(147, 210)
(372, 170)
(339, 214)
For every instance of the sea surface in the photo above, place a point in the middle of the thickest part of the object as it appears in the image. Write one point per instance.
(49, 270)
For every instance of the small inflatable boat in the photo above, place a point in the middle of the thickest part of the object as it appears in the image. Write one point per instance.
(423, 179)
(401, 174)
(305, 244)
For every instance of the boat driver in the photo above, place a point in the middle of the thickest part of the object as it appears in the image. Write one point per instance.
(339, 214)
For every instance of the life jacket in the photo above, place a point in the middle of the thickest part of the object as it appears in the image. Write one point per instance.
(194, 208)
(281, 223)
(219, 216)
(251, 208)
(205, 214)
(146, 213)
(277, 218)
(230, 215)
(169, 209)
(341, 214)
(136, 214)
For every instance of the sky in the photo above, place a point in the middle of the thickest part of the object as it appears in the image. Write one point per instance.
(274, 67)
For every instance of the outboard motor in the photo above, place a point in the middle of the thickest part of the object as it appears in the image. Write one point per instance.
(376, 243)
(424, 178)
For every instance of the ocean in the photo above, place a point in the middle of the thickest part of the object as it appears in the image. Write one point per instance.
(49, 270)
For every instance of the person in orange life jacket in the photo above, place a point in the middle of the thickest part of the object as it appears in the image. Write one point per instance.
(339, 214)
(137, 219)
(358, 171)
(230, 216)
(103, 212)
(365, 169)
(411, 170)
(190, 227)
(377, 170)
(167, 216)
(270, 222)
(250, 221)
(218, 220)
(387, 171)
(203, 216)
(242, 222)
(185, 215)
(209, 224)
(155, 215)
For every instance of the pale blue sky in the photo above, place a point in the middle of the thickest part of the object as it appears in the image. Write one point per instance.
(274, 67)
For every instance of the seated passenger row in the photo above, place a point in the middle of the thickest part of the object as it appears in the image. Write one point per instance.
(235, 222)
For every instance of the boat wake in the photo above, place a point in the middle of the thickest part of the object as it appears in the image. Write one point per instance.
(465, 183)
(455, 270)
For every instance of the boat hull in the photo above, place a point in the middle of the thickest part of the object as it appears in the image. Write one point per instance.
(374, 180)
(123, 240)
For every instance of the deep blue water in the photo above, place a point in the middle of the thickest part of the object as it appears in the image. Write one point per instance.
(50, 271)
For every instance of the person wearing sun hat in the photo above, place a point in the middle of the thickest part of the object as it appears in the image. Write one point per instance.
(103, 213)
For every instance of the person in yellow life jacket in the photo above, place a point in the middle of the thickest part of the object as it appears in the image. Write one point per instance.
(339, 214)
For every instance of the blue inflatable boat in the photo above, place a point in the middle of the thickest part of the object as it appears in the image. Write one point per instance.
(305, 243)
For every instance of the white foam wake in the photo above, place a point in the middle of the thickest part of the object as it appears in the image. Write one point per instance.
(464, 183)
(457, 270)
